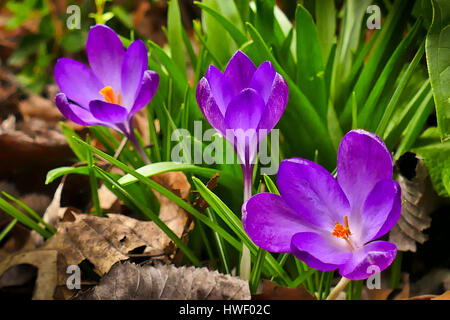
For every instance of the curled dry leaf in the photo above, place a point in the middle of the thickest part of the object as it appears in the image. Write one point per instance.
(418, 201)
(128, 281)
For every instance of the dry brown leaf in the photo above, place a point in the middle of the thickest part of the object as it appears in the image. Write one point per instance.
(445, 296)
(375, 294)
(405, 292)
(46, 263)
(272, 291)
(419, 201)
(199, 202)
(128, 281)
(105, 241)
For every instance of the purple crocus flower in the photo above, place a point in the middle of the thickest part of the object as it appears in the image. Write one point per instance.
(243, 104)
(113, 89)
(332, 224)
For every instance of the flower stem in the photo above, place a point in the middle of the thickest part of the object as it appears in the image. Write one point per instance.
(245, 265)
(339, 287)
(138, 147)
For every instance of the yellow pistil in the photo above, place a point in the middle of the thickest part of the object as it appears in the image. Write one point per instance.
(108, 93)
(342, 231)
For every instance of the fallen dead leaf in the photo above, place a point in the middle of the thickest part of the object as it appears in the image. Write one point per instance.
(166, 282)
(106, 240)
(272, 291)
(445, 296)
(375, 294)
(46, 263)
(419, 201)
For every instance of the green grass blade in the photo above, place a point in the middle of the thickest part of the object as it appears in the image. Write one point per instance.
(398, 91)
(271, 187)
(255, 274)
(167, 193)
(154, 217)
(310, 66)
(235, 33)
(23, 218)
(438, 59)
(390, 72)
(33, 213)
(416, 125)
(175, 36)
(7, 229)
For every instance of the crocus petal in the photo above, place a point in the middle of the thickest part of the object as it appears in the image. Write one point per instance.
(244, 110)
(150, 83)
(323, 248)
(276, 104)
(74, 112)
(209, 107)
(271, 223)
(77, 81)
(363, 160)
(239, 71)
(262, 80)
(377, 208)
(373, 257)
(108, 112)
(393, 216)
(134, 65)
(242, 117)
(311, 261)
(313, 192)
(105, 54)
(220, 88)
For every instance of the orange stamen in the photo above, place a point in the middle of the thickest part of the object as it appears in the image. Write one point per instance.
(341, 231)
(108, 93)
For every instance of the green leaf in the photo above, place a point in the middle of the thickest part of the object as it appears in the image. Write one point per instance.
(235, 33)
(348, 40)
(271, 187)
(390, 73)
(73, 40)
(23, 218)
(123, 16)
(69, 134)
(165, 192)
(438, 59)
(218, 38)
(415, 126)
(30, 211)
(175, 36)
(436, 155)
(398, 92)
(446, 179)
(54, 174)
(326, 26)
(394, 21)
(299, 110)
(161, 167)
(310, 66)
(7, 229)
(178, 242)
